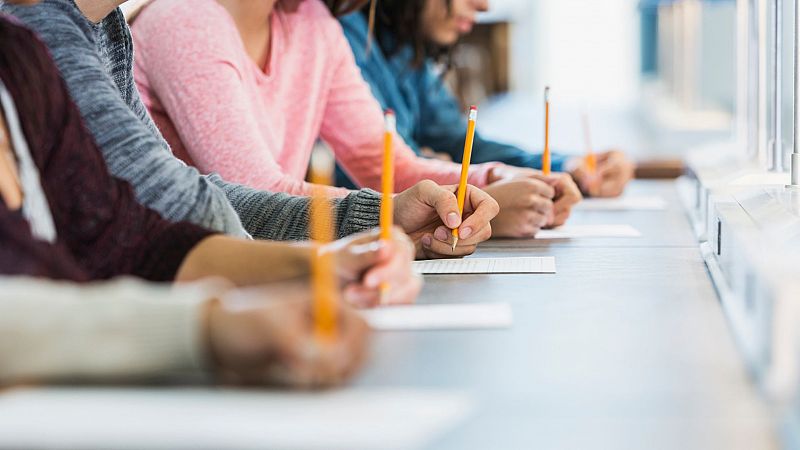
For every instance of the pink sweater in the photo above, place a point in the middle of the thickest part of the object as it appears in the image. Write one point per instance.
(221, 113)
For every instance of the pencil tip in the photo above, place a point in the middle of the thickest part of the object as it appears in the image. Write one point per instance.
(455, 242)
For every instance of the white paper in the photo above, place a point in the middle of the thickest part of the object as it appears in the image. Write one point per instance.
(589, 231)
(526, 264)
(440, 316)
(197, 418)
(625, 203)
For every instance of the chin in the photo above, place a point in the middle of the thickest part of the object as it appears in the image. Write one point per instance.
(448, 39)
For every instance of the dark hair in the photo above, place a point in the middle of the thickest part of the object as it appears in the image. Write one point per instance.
(343, 7)
(402, 20)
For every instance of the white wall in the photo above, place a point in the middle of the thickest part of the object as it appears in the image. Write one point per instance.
(587, 50)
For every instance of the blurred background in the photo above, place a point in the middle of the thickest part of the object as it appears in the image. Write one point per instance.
(656, 77)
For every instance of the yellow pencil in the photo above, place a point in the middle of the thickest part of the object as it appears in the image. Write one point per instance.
(387, 204)
(546, 154)
(325, 286)
(462, 184)
(591, 158)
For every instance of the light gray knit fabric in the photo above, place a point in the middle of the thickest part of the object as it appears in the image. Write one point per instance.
(96, 61)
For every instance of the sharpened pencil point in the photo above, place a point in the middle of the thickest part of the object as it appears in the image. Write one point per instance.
(455, 242)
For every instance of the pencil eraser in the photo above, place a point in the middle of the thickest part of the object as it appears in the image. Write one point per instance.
(473, 108)
(389, 112)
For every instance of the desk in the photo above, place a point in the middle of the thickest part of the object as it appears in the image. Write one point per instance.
(625, 348)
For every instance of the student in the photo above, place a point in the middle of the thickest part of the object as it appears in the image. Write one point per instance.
(412, 39)
(125, 329)
(92, 47)
(244, 88)
(57, 191)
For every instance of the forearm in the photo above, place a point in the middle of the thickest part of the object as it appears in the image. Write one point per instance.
(245, 263)
(119, 330)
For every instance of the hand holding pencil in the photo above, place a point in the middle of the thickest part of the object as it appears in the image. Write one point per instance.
(262, 336)
(372, 267)
(465, 161)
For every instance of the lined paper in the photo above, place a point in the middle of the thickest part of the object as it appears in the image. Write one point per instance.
(527, 264)
(440, 317)
(205, 418)
(589, 231)
(625, 203)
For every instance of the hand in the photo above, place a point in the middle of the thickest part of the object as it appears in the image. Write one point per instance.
(526, 206)
(567, 193)
(364, 262)
(614, 171)
(566, 197)
(265, 336)
(503, 172)
(430, 153)
(428, 212)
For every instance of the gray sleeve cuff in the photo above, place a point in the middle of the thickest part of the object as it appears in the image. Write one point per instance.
(359, 211)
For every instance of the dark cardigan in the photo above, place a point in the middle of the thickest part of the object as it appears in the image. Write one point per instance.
(103, 231)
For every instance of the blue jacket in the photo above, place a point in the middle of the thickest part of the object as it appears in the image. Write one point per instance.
(428, 115)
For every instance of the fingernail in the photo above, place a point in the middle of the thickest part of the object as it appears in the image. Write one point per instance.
(440, 234)
(427, 240)
(465, 232)
(453, 220)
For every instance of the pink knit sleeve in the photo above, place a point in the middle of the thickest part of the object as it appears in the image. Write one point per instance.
(189, 66)
(353, 126)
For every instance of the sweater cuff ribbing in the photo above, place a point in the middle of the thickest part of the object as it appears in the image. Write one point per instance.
(359, 211)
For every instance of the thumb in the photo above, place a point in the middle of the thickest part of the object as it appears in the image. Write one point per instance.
(443, 201)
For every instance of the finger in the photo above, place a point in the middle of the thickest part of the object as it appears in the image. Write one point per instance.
(406, 293)
(542, 205)
(611, 188)
(545, 187)
(442, 200)
(609, 170)
(461, 251)
(560, 218)
(359, 296)
(354, 260)
(479, 208)
(468, 236)
(439, 250)
(396, 270)
(537, 219)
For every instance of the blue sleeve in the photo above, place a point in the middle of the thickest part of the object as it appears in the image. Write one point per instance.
(443, 126)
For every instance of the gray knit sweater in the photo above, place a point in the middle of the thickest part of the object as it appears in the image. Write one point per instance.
(96, 61)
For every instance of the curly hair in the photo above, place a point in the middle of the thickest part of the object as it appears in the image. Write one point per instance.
(402, 19)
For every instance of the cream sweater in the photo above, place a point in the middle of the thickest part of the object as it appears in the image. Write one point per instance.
(124, 329)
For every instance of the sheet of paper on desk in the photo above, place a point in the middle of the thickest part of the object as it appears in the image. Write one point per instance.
(440, 317)
(624, 203)
(589, 231)
(526, 264)
(206, 418)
